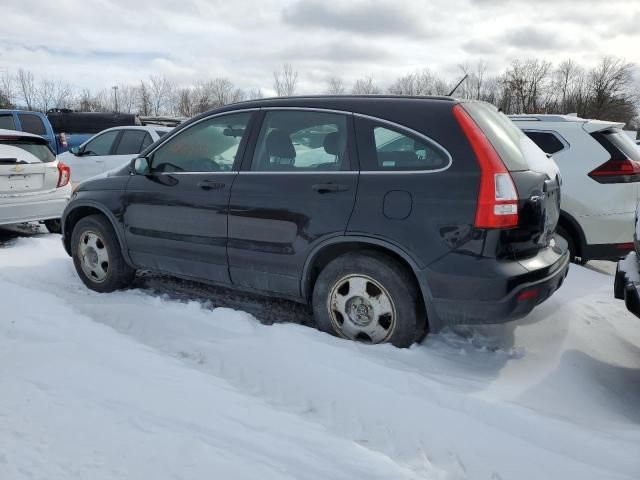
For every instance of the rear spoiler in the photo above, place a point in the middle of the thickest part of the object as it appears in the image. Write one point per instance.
(599, 125)
(24, 138)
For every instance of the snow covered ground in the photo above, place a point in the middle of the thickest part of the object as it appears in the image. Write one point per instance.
(147, 385)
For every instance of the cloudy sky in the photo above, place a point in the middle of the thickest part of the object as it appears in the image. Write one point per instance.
(98, 43)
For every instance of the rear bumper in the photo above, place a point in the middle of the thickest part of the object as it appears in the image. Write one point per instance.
(606, 251)
(626, 285)
(507, 291)
(32, 208)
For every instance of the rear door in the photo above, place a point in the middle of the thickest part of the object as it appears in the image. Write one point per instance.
(297, 188)
(27, 166)
(535, 175)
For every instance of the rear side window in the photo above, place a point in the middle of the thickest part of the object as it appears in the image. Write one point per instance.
(39, 150)
(548, 142)
(161, 133)
(619, 146)
(131, 142)
(6, 122)
(501, 132)
(32, 124)
(396, 150)
(301, 141)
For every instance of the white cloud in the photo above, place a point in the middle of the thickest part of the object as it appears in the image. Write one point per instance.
(98, 43)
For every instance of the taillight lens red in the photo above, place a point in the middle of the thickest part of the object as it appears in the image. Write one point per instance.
(64, 174)
(617, 171)
(498, 197)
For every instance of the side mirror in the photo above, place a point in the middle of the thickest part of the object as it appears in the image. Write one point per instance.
(75, 150)
(140, 166)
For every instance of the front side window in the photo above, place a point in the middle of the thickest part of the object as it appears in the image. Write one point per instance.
(209, 146)
(391, 149)
(131, 142)
(101, 145)
(32, 124)
(301, 141)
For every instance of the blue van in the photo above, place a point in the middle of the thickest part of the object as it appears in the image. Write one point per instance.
(30, 122)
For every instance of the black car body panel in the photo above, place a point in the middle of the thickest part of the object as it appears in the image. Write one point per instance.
(269, 230)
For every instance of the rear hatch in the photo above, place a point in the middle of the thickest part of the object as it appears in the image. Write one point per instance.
(27, 166)
(536, 179)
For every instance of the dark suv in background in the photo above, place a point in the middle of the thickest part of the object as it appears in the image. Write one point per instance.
(391, 216)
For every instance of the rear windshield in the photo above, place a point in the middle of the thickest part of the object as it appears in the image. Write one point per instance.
(501, 132)
(41, 151)
(623, 146)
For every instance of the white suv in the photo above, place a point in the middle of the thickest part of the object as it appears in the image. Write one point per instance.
(34, 184)
(600, 168)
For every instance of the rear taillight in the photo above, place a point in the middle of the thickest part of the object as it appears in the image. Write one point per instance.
(64, 174)
(498, 197)
(617, 171)
(63, 140)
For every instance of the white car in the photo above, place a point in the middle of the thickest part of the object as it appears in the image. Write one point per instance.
(34, 184)
(110, 149)
(600, 168)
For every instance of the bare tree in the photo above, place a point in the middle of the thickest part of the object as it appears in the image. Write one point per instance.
(285, 81)
(335, 86)
(526, 84)
(223, 92)
(254, 94)
(365, 86)
(610, 86)
(52, 94)
(27, 88)
(418, 83)
(144, 99)
(7, 93)
(160, 91)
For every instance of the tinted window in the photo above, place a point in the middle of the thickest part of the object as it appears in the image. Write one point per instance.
(32, 124)
(101, 145)
(39, 150)
(161, 133)
(396, 150)
(209, 146)
(131, 142)
(301, 141)
(501, 132)
(618, 144)
(6, 122)
(547, 141)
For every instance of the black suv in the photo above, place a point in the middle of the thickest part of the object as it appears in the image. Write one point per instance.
(391, 216)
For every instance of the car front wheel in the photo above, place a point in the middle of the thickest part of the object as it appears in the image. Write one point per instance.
(97, 256)
(368, 297)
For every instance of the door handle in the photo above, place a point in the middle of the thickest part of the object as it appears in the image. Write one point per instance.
(330, 187)
(210, 185)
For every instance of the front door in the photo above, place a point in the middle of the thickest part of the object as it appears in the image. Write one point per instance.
(296, 189)
(90, 160)
(176, 215)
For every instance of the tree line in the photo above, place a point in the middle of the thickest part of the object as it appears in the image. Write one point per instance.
(607, 90)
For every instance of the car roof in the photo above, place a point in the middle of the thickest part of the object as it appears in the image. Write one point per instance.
(146, 128)
(18, 133)
(590, 125)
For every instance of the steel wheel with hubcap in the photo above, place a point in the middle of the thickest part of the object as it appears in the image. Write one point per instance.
(94, 257)
(369, 297)
(97, 255)
(362, 309)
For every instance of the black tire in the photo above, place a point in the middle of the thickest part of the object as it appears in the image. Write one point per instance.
(53, 225)
(118, 273)
(409, 322)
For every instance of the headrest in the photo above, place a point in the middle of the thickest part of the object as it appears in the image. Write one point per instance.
(279, 145)
(331, 143)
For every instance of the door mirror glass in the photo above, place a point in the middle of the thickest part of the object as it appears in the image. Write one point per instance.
(75, 151)
(139, 166)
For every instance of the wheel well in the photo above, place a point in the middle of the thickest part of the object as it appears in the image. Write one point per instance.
(330, 252)
(73, 218)
(569, 225)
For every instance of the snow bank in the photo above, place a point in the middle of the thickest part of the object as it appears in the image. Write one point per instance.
(131, 385)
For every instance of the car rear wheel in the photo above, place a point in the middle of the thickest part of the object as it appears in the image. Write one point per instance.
(53, 225)
(97, 256)
(368, 297)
